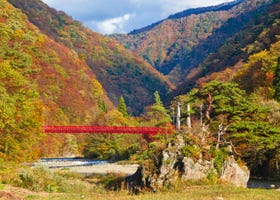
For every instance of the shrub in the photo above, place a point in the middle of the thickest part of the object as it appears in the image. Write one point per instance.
(42, 179)
(39, 179)
(219, 158)
(113, 181)
(191, 151)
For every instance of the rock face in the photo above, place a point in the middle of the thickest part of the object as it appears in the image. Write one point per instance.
(175, 166)
(134, 183)
(196, 170)
(235, 174)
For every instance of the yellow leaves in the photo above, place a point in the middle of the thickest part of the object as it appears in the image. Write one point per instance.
(98, 53)
(18, 34)
(41, 39)
(115, 118)
(82, 56)
(97, 89)
(259, 70)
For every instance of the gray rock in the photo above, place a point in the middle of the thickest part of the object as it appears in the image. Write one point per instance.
(174, 166)
(235, 174)
(196, 170)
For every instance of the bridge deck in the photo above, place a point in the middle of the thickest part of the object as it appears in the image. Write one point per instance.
(106, 129)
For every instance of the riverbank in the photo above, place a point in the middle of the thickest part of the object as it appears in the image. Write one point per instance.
(105, 168)
(64, 185)
(87, 167)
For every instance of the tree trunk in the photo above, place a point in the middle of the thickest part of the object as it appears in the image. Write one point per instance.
(209, 107)
(189, 124)
(220, 133)
(178, 123)
(202, 125)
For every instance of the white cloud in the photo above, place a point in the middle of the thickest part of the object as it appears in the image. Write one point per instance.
(112, 25)
(108, 16)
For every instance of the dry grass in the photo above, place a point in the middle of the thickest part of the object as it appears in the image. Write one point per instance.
(190, 193)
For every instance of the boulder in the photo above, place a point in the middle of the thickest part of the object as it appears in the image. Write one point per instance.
(234, 173)
(196, 170)
(134, 183)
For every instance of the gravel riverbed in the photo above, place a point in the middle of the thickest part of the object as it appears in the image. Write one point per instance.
(83, 166)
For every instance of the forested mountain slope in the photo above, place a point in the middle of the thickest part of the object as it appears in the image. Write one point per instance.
(41, 83)
(185, 41)
(120, 72)
(226, 65)
(260, 32)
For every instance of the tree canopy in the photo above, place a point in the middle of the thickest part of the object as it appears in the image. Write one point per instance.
(240, 119)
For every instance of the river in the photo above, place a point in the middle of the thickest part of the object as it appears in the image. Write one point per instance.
(68, 162)
(266, 184)
(86, 166)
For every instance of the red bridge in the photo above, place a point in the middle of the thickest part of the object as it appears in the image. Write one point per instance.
(106, 129)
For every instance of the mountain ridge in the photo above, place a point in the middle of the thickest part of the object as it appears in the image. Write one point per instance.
(115, 67)
(175, 51)
(188, 12)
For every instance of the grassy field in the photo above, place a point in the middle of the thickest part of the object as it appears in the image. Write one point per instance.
(43, 184)
(190, 193)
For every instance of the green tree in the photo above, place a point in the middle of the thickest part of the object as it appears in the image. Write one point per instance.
(20, 116)
(236, 119)
(158, 101)
(122, 107)
(156, 114)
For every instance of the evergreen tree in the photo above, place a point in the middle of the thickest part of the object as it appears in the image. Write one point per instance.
(122, 107)
(276, 82)
(239, 120)
(156, 113)
(158, 101)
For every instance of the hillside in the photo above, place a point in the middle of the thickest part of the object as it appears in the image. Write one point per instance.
(189, 12)
(258, 34)
(187, 38)
(120, 72)
(225, 64)
(42, 82)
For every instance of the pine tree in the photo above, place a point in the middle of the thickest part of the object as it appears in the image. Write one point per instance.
(158, 101)
(276, 82)
(122, 107)
(157, 113)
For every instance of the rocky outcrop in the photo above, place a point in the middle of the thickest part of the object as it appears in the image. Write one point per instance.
(196, 170)
(134, 183)
(234, 173)
(175, 166)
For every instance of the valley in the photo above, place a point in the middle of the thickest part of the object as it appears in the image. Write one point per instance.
(209, 76)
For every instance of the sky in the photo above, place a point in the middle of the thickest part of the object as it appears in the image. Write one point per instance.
(123, 16)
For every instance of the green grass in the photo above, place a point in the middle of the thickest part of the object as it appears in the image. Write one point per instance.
(2, 187)
(71, 186)
(190, 193)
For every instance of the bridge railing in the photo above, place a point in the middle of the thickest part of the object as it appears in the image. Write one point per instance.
(106, 129)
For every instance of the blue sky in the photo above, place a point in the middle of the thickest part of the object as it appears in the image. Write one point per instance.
(123, 16)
